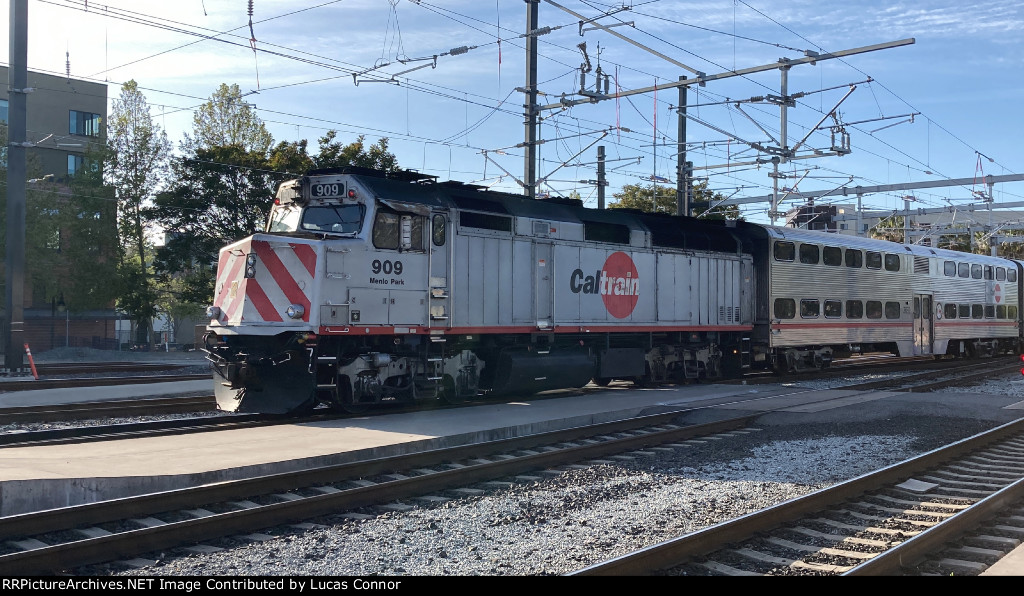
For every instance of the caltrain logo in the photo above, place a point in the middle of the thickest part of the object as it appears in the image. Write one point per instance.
(617, 282)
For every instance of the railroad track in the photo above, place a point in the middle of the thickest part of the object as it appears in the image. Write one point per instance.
(73, 368)
(885, 523)
(97, 381)
(926, 381)
(59, 540)
(121, 408)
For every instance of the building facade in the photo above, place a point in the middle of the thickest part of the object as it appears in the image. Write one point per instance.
(65, 120)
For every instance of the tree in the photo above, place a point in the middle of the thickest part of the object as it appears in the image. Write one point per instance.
(227, 119)
(138, 154)
(637, 196)
(335, 155)
(219, 195)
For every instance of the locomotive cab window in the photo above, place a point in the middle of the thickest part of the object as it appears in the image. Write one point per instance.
(832, 255)
(437, 230)
(398, 231)
(809, 254)
(892, 262)
(874, 260)
(784, 251)
(334, 219)
(854, 258)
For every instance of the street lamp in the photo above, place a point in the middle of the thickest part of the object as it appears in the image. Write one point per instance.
(61, 307)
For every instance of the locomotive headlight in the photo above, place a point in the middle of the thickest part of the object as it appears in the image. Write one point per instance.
(250, 265)
(294, 311)
(213, 312)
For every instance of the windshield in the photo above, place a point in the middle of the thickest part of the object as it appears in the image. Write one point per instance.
(337, 219)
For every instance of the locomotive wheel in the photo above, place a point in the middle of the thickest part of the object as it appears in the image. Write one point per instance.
(448, 392)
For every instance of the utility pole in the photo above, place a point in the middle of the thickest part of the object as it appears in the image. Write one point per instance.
(14, 288)
(682, 179)
(600, 177)
(530, 137)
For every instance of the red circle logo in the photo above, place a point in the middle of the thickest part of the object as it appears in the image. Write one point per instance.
(620, 285)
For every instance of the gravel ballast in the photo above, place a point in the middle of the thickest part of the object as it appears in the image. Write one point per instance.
(564, 522)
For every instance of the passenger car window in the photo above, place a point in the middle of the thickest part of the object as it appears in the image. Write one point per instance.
(784, 251)
(785, 308)
(1000, 274)
(810, 308)
(892, 310)
(1011, 275)
(854, 258)
(964, 270)
(949, 311)
(892, 262)
(873, 309)
(949, 268)
(832, 255)
(854, 309)
(809, 254)
(976, 271)
(833, 309)
(874, 260)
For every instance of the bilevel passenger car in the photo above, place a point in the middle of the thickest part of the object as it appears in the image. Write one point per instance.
(370, 288)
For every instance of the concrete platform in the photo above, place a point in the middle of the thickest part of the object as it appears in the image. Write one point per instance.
(45, 477)
(1011, 564)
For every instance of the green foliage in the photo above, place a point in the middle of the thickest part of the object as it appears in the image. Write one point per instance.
(638, 196)
(335, 155)
(227, 119)
(135, 166)
(219, 195)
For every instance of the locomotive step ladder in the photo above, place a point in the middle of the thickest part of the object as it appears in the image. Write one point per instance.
(326, 376)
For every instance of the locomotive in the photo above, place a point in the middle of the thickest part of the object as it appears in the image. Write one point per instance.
(369, 288)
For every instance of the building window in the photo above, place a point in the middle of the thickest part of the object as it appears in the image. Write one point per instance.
(3, 111)
(84, 123)
(75, 163)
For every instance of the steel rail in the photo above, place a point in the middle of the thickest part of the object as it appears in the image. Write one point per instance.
(674, 552)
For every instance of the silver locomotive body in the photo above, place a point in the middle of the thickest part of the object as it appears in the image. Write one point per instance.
(367, 290)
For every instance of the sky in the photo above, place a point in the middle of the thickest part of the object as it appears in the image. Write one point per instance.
(438, 79)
